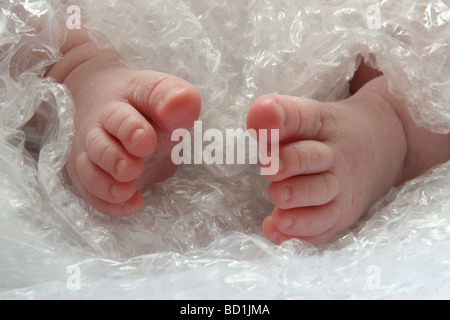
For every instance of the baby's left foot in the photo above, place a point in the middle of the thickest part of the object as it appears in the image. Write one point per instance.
(337, 159)
(123, 124)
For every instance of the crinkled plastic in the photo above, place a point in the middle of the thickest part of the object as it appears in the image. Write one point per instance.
(199, 236)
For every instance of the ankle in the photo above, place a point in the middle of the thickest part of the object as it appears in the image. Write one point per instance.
(78, 50)
(384, 112)
(362, 76)
(424, 149)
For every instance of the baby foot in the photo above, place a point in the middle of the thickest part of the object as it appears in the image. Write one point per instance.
(336, 160)
(124, 120)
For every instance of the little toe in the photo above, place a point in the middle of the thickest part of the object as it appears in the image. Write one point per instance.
(172, 103)
(304, 191)
(125, 209)
(131, 128)
(296, 118)
(110, 155)
(304, 158)
(272, 233)
(306, 222)
(100, 184)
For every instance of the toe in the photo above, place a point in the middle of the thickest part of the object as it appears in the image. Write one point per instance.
(272, 233)
(172, 103)
(100, 184)
(304, 158)
(266, 113)
(110, 155)
(296, 118)
(125, 209)
(306, 222)
(304, 191)
(127, 125)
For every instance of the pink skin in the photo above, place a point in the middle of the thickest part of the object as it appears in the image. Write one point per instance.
(338, 158)
(124, 120)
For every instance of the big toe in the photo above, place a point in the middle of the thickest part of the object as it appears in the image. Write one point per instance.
(295, 118)
(170, 102)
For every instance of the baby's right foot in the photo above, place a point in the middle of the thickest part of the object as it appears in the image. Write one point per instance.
(124, 121)
(337, 159)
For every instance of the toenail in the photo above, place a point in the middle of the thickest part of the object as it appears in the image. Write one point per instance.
(287, 193)
(137, 135)
(282, 115)
(287, 223)
(275, 237)
(115, 190)
(128, 210)
(171, 93)
(120, 166)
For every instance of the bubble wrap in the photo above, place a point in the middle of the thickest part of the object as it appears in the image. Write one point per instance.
(199, 234)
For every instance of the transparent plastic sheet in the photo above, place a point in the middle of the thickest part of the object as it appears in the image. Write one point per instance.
(199, 233)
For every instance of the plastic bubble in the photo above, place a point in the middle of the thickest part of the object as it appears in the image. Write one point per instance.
(199, 235)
